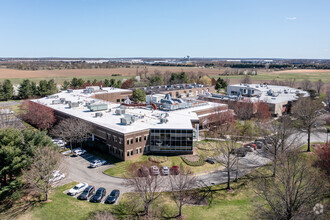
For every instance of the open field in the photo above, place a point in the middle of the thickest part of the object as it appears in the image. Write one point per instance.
(16, 76)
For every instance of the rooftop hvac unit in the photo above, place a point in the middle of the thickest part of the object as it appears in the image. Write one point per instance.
(69, 91)
(128, 119)
(98, 107)
(120, 111)
(67, 102)
(73, 104)
(163, 120)
(98, 114)
(54, 102)
(62, 100)
(52, 97)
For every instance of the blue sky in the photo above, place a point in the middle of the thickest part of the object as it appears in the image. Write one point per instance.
(167, 28)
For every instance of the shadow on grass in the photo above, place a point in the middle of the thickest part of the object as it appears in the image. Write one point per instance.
(14, 210)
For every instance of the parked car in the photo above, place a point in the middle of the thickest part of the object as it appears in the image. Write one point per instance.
(240, 152)
(100, 193)
(112, 197)
(77, 189)
(154, 170)
(89, 190)
(97, 163)
(210, 160)
(79, 152)
(143, 172)
(165, 171)
(248, 148)
(175, 170)
(57, 176)
(259, 144)
(254, 146)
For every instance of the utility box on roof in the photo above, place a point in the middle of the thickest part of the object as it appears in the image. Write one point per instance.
(98, 107)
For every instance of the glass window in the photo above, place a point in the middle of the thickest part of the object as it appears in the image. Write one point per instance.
(137, 151)
(131, 152)
(140, 139)
(128, 153)
(127, 141)
(132, 141)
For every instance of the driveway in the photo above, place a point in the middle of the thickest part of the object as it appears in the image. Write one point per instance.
(77, 169)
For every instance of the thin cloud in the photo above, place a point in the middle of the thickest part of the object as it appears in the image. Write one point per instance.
(291, 18)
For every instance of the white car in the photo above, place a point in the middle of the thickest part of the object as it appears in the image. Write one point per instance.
(97, 163)
(165, 170)
(57, 176)
(77, 189)
(154, 170)
(79, 152)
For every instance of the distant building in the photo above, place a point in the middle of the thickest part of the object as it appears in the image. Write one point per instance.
(278, 98)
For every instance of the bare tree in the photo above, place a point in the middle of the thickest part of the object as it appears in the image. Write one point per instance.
(244, 109)
(72, 130)
(283, 137)
(38, 178)
(306, 111)
(306, 84)
(246, 79)
(293, 193)
(318, 85)
(181, 186)
(290, 82)
(223, 154)
(148, 188)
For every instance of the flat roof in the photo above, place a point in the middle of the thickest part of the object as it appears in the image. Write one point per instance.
(282, 93)
(149, 118)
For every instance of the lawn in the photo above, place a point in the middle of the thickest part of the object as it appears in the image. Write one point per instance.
(120, 168)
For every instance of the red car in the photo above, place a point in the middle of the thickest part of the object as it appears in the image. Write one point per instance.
(175, 170)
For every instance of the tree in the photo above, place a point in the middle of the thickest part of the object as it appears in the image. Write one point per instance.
(118, 84)
(40, 116)
(65, 85)
(107, 82)
(205, 80)
(127, 84)
(323, 154)
(16, 152)
(148, 187)
(283, 137)
(139, 95)
(72, 130)
(51, 87)
(7, 90)
(293, 193)
(246, 79)
(220, 84)
(76, 83)
(181, 186)
(223, 154)
(43, 88)
(25, 90)
(318, 85)
(38, 177)
(262, 111)
(101, 215)
(156, 80)
(243, 109)
(213, 82)
(306, 84)
(306, 111)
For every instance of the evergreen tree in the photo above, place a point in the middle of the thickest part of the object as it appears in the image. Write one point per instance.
(51, 87)
(43, 88)
(221, 84)
(25, 90)
(7, 90)
(139, 95)
(66, 85)
(34, 89)
(107, 82)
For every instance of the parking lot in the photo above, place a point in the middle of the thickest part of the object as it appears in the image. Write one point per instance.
(77, 169)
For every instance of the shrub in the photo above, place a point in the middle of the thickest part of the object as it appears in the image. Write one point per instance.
(199, 162)
(157, 159)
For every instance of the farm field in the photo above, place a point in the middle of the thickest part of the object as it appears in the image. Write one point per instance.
(16, 76)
